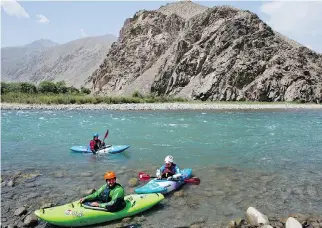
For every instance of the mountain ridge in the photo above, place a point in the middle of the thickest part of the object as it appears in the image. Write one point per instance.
(43, 59)
(219, 53)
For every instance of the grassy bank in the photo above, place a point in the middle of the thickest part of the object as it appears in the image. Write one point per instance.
(24, 98)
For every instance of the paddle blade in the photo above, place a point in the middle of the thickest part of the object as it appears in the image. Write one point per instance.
(106, 134)
(193, 180)
(144, 176)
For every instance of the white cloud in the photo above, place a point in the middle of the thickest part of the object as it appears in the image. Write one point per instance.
(42, 19)
(295, 17)
(83, 33)
(13, 8)
(300, 21)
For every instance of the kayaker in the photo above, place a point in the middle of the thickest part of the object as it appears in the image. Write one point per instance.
(95, 144)
(169, 170)
(109, 196)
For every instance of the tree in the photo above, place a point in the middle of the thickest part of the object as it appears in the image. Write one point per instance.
(47, 87)
(26, 87)
(4, 87)
(61, 87)
(72, 90)
(85, 90)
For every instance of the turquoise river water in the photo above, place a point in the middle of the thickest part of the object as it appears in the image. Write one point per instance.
(270, 160)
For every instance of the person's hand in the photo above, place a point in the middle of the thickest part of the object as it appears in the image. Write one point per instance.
(158, 174)
(81, 200)
(176, 176)
(94, 204)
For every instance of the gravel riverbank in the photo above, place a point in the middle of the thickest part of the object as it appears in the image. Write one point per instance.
(162, 106)
(226, 197)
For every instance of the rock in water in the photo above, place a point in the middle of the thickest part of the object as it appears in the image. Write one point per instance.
(31, 220)
(254, 217)
(220, 53)
(180, 193)
(20, 211)
(133, 182)
(11, 183)
(292, 223)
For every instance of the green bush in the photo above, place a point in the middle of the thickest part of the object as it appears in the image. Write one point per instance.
(47, 87)
(26, 87)
(137, 94)
(61, 87)
(48, 94)
(73, 90)
(85, 90)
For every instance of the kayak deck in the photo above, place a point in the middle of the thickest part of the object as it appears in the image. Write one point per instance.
(75, 214)
(164, 186)
(111, 149)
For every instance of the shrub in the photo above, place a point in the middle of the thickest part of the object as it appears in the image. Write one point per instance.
(47, 87)
(85, 90)
(61, 87)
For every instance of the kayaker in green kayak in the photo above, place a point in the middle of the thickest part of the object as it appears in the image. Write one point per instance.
(95, 144)
(169, 170)
(110, 196)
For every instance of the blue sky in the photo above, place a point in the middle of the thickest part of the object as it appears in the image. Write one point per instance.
(23, 22)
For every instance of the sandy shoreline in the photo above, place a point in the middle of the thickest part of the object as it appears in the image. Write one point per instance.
(162, 106)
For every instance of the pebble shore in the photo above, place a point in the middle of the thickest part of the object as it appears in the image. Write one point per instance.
(24, 191)
(162, 106)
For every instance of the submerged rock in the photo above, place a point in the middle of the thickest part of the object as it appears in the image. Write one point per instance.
(133, 182)
(180, 193)
(20, 211)
(30, 220)
(127, 220)
(47, 205)
(12, 226)
(11, 183)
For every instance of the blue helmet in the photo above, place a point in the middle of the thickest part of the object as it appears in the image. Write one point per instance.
(95, 135)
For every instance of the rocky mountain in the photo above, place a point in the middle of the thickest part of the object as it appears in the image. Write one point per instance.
(44, 60)
(13, 57)
(219, 53)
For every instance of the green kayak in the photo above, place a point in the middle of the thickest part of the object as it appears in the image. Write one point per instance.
(75, 214)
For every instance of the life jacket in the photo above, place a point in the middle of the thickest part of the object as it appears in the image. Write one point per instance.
(105, 195)
(97, 144)
(169, 171)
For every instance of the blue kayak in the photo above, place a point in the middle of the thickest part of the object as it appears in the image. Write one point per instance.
(164, 186)
(109, 149)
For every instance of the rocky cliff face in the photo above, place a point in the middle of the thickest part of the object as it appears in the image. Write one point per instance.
(219, 53)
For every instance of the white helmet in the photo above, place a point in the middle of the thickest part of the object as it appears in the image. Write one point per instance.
(168, 159)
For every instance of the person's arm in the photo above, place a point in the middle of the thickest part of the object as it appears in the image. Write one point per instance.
(177, 173)
(160, 171)
(102, 143)
(118, 193)
(94, 195)
(177, 170)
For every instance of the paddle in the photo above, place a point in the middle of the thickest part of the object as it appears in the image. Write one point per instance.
(145, 177)
(106, 134)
